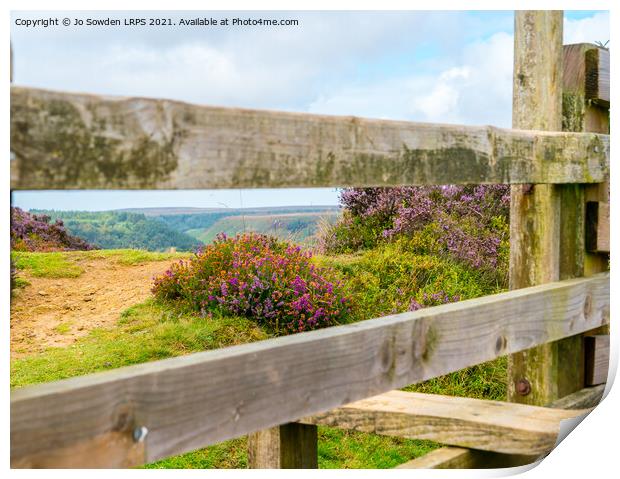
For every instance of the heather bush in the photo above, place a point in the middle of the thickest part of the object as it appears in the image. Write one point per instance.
(466, 223)
(259, 277)
(31, 232)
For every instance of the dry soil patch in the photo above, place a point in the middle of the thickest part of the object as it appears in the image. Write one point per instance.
(55, 312)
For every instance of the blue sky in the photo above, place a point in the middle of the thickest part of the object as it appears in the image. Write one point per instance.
(446, 67)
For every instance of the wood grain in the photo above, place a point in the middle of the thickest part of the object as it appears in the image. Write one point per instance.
(535, 210)
(597, 226)
(472, 423)
(459, 458)
(114, 449)
(451, 457)
(200, 399)
(585, 398)
(69, 141)
(597, 75)
(597, 359)
(290, 446)
(582, 113)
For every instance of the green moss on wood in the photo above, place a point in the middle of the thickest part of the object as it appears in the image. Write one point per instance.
(573, 112)
(55, 145)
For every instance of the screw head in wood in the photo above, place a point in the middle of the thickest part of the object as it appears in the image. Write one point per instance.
(523, 387)
(139, 433)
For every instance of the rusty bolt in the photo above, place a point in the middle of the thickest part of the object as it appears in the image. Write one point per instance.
(523, 387)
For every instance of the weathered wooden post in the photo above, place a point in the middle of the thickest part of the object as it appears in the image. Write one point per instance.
(544, 373)
(547, 222)
(290, 446)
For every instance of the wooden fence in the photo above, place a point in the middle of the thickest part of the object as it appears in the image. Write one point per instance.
(552, 323)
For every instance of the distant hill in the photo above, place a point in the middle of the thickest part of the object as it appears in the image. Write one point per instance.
(157, 229)
(296, 227)
(188, 220)
(113, 229)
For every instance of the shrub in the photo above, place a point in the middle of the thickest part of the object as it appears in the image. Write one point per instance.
(259, 277)
(31, 232)
(466, 223)
(393, 277)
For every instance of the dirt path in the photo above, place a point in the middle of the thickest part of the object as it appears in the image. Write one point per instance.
(55, 312)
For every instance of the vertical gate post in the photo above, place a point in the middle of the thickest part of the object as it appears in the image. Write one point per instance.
(290, 446)
(546, 232)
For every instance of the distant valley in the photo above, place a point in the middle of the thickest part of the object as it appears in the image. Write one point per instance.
(185, 229)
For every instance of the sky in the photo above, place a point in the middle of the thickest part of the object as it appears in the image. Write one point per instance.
(441, 67)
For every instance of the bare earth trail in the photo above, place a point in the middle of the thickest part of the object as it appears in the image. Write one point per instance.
(56, 311)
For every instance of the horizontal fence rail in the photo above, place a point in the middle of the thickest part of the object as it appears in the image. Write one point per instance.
(495, 426)
(74, 141)
(450, 457)
(146, 412)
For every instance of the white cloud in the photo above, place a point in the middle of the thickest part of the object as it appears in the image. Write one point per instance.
(475, 88)
(262, 67)
(587, 30)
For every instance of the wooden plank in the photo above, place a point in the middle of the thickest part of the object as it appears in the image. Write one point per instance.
(584, 399)
(68, 141)
(290, 446)
(586, 72)
(597, 75)
(597, 359)
(494, 426)
(597, 227)
(460, 458)
(204, 398)
(580, 111)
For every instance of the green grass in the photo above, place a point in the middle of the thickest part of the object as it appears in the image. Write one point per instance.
(63, 328)
(337, 449)
(382, 280)
(20, 282)
(127, 257)
(483, 381)
(46, 265)
(145, 332)
(226, 455)
(67, 264)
